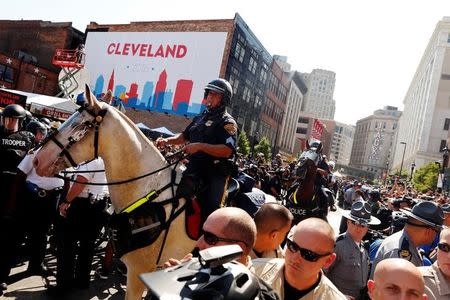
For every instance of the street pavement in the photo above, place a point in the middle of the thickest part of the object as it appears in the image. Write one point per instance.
(23, 287)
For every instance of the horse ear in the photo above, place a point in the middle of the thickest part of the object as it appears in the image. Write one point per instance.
(319, 149)
(307, 145)
(91, 100)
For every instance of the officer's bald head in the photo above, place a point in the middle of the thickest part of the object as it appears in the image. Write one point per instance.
(396, 278)
(319, 230)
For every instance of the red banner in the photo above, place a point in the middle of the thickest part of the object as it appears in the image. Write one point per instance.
(317, 129)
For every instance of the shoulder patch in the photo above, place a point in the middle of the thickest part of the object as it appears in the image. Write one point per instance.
(230, 128)
(405, 254)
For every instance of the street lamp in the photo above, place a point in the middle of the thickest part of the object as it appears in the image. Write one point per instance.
(445, 157)
(387, 172)
(403, 157)
(413, 165)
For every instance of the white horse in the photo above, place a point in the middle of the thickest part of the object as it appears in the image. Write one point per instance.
(127, 153)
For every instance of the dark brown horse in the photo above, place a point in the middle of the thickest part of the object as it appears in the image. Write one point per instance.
(307, 197)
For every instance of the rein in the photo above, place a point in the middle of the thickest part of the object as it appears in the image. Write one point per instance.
(121, 181)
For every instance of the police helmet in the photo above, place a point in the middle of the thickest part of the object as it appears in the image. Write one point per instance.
(36, 126)
(315, 144)
(45, 121)
(222, 87)
(14, 111)
(374, 195)
(197, 280)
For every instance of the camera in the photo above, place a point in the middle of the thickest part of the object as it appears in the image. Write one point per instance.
(213, 275)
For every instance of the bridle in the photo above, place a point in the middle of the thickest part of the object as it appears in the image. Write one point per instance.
(78, 134)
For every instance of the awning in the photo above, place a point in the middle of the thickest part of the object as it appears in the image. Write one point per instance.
(54, 107)
(163, 130)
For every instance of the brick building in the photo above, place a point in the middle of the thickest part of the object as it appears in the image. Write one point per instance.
(18, 75)
(26, 51)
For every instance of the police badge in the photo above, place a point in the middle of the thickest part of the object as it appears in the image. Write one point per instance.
(230, 128)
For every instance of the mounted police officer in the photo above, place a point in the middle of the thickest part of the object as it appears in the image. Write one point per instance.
(424, 222)
(14, 144)
(212, 139)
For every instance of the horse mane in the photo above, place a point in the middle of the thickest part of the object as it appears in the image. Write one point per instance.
(137, 131)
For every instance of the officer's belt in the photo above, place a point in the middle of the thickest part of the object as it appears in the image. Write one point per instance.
(42, 193)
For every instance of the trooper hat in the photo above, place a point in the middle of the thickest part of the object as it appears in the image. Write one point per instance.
(426, 212)
(361, 214)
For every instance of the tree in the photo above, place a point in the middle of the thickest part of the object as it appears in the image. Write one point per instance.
(243, 144)
(264, 147)
(426, 177)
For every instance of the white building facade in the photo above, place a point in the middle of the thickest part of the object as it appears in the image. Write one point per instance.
(319, 100)
(424, 125)
(293, 105)
(374, 139)
(342, 141)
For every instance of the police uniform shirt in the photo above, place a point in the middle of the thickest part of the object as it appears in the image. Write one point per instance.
(397, 245)
(437, 286)
(46, 183)
(350, 271)
(277, 253)
(97, 191)
(13, 148)
(212, 128)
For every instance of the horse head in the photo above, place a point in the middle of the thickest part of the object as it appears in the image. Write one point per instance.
(73, 142)
(307, 164)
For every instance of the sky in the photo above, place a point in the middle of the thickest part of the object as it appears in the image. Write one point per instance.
(374, 47)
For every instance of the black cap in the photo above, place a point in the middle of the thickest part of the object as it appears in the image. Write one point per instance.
(426, 212)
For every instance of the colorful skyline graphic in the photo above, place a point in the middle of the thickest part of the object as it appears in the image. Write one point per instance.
(158, 97)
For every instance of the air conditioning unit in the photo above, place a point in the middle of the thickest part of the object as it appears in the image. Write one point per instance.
(25, 57)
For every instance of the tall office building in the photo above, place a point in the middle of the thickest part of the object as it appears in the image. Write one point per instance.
(319, 100)
(374, 139)
(424, 125)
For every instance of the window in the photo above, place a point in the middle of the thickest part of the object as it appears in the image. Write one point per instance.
(263, 74)
(303, 120)
(257, 102)
(7, 73)
(239, 52)
(446, 124)
(234, 75)
(246, 94)
(443, 145)
(252, 65)
(301, 130)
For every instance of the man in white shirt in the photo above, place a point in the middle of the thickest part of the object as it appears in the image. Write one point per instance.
(81, 218)
(39, 199)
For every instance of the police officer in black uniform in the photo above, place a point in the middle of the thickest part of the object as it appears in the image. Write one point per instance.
(14, 145)
(212, 139)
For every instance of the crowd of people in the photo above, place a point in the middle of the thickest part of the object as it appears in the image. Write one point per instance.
(393, 242)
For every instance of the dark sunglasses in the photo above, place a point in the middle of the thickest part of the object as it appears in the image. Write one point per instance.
(444, 247)
(358, 224)
(212, 239)
(308, 255)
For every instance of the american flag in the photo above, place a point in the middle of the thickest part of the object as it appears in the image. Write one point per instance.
(317, 129)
